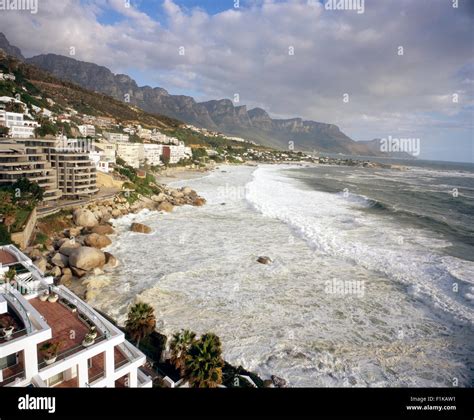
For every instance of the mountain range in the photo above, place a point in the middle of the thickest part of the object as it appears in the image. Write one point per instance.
(218, 115)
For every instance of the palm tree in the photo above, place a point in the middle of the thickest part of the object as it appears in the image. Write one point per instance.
(141, 321)
(204, 362)
(180, 345)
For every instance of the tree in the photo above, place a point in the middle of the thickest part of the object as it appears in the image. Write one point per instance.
(5, 238)
(7, 209)
(4, 131)
(180, 345)
(204, 362)
(29, 191)
(141, 321)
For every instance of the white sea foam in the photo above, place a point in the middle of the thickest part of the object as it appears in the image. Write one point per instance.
(375, 243)
(198, 269)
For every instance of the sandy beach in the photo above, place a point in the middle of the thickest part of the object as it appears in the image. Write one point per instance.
(180, 174)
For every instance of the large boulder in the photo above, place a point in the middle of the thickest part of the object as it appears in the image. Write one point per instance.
(86, 258)
(140, 228)
(85, 218)
(69, 246)
(97, 241)
(103, 230)
(166, 206)
(41, 263)
(60, 260)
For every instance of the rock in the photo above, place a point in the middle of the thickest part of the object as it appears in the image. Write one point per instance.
(65, 279)
(105, 218)
(116, 213)
(35, 253)
(159, 198)
(75, 231)
(60, 260)
(268, 383)
(177, 194)
(278, 382)
(97, 241)
(86, 258)
(84, 217)
(103, 230)
(187, 190)
(166, 206)
(67, 272)
(264, 260)
(199, 201)
(111, 262)
(56, 271)
(140, 228)
(78, 272)
(69, 246)
(41, 263)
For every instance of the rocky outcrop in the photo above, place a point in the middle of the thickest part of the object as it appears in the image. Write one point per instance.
(68, 247)
(103, 230)
(85, 218)
(86, 258)
(97, 241)
(166, 207)
(140, 228)
(60, 260)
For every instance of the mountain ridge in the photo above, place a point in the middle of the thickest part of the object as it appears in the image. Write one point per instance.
(218, 115)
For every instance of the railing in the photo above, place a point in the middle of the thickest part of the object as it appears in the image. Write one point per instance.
(15, 377)
(14, 336)
(95, 378)
(66, 353)
(84, 309)
(16, 303)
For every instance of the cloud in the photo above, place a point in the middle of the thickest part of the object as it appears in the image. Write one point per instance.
(248, 50)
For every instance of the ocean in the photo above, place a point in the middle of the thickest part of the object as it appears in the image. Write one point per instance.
(371, 285)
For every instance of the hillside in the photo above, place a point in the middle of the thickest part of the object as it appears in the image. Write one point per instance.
(35, 85)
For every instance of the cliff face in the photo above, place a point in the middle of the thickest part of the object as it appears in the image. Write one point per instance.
(10, 49)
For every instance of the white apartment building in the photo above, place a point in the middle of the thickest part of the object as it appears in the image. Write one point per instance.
(116, 137)
(144, 133)
(100, 162)
(180, 152)
(132, 153)
(19, 127)
(108, 150)
(87, 130)
(153, 153)
(158, 137)
(37, 314)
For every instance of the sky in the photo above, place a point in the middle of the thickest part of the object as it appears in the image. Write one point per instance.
(399, 68)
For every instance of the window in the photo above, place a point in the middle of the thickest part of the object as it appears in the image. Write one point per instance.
(8, 361)
(56, 379)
